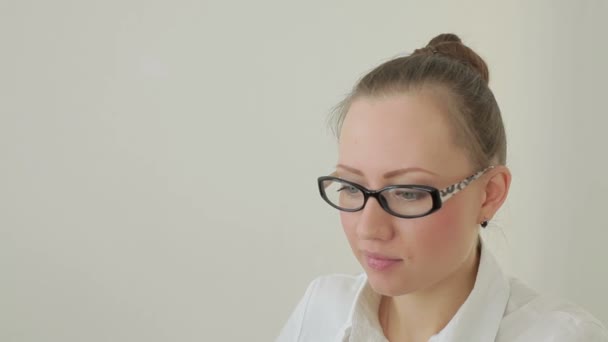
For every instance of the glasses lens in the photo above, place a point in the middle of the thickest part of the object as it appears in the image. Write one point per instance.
(408, 201)
(343, 195)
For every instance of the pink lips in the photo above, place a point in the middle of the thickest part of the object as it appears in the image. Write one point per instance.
(380, 262)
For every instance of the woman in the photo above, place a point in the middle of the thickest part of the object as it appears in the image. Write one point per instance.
(422, 154)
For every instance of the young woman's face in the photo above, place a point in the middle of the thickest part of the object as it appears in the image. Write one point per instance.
(407, 132)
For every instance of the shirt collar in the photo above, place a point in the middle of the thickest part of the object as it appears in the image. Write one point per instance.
(478, 319)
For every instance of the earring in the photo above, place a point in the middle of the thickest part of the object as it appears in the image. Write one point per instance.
(484, 223)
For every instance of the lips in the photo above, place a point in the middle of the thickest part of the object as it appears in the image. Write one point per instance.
(380, 262)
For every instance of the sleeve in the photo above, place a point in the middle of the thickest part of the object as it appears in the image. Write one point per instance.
(292, 329)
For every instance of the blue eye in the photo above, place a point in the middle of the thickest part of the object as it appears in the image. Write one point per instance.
(410, 195)
(349, 189)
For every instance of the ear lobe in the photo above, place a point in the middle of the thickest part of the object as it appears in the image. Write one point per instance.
(496, 191)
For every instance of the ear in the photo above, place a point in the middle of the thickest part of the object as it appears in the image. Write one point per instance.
(495, 192)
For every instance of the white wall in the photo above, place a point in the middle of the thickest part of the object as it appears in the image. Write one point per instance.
(158, 159)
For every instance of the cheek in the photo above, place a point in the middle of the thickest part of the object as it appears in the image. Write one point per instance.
(443, 232)
(349, 224)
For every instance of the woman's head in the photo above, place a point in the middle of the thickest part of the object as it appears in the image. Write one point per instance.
(427, 119)
(459, 78)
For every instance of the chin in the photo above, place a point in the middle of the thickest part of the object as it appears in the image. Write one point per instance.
(389, 286)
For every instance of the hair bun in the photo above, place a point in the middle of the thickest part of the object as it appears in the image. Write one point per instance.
(444, 37)
(450, 45)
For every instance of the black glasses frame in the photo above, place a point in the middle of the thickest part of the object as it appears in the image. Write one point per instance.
(438, 196)
(435, 195)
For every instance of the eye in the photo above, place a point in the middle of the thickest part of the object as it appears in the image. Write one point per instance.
(409, 194)
(349, 189)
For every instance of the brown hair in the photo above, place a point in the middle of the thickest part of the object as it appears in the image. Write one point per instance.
(449, 68)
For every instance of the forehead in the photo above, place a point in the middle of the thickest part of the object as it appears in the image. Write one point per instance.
(410, 129)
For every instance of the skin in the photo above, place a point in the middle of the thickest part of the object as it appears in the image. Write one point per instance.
(439, 256)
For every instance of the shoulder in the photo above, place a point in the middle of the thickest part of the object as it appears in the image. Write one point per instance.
(337, 288)
(531, 316)
(332, 298)
(324, 308)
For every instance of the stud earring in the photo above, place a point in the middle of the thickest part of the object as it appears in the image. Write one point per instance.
(484, 223)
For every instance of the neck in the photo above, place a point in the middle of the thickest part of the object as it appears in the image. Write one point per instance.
(418, 316)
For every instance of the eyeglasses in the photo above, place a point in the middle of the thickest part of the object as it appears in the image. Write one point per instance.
(404, 201)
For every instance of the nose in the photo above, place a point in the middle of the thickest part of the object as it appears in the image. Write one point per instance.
(374, 223)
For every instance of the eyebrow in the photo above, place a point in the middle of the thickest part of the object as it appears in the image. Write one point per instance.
(389, 174)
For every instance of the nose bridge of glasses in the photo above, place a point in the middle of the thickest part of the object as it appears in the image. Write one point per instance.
(378, 196)
(380, 203)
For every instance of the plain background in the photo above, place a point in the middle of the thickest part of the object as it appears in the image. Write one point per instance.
(158, 160)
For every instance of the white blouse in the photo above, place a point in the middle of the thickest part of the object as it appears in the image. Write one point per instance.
(340, 308)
